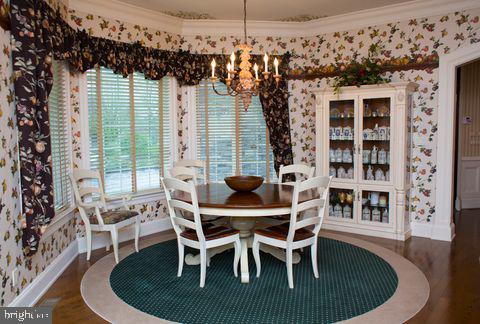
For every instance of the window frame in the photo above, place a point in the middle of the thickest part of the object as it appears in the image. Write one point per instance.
(61, 214)
(141, 196)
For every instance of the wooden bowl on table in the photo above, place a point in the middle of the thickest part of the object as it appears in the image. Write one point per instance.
(244, 183)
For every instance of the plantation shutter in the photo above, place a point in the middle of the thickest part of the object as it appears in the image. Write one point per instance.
(216, 118)
(115, 101)
(152, 130)
(229, 139)
(129, 122)
(57, 105)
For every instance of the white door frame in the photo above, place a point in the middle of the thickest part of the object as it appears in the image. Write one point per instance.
(443, 226)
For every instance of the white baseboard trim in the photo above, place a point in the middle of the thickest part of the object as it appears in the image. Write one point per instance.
(421, 229)
(434, 232)
(35, 290)
(100, 240)
(443, 232)
(470, 203)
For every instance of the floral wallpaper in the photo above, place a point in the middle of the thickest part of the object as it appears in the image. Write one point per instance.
(419, 38)
(400, 43)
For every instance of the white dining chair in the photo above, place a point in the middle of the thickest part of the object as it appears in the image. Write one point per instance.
(190, 174)
(198, 165)
(301, 171)
(296, 234)
(193, 233)
(89, 194)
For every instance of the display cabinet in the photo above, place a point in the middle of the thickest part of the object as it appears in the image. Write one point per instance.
(363, 140)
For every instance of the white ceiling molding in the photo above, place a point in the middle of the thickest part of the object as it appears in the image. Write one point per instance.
(149, 18)
(130, 14)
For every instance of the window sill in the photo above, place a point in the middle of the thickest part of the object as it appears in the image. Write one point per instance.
(136, 198)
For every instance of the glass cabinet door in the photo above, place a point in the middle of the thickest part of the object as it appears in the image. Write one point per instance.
(376, 137)
(342, 139)
(375, 206)
(341, 204)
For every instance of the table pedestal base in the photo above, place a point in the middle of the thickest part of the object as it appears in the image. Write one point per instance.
(246, 226)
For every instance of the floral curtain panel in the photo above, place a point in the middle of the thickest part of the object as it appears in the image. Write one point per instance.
(274, 99)
(40, 34)
(32, 67)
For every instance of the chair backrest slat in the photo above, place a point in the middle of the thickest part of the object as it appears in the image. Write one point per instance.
(85, 183)
(321, 187)
(88, 191)
(183, 222)
(172, 185)
(183, 173)
(301, 171)
(199, 166)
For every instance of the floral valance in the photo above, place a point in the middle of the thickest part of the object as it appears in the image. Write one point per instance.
(84, 52)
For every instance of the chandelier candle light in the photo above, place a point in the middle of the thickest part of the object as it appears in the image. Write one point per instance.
(245, 84)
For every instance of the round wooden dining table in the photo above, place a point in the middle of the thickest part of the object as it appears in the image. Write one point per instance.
(244, 210)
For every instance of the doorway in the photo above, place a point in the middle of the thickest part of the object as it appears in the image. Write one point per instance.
(467, 149)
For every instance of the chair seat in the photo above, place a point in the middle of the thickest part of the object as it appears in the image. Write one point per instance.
(114, 216)
(280, 232)
(210, 232)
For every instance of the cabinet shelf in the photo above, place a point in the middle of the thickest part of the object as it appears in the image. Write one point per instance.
(341, 162)
(373, 206)
(371, 140)
(375, 164)
(372, 117)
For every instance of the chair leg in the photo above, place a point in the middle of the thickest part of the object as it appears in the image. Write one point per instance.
(203, 266)
(256, 255)
(236, 258)
(313, 250)
(88, 232)
(288, 263)
(114, 233)
(137, 232)
(181, 258)
(109, 242)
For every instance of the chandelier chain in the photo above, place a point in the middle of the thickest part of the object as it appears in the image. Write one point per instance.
(245, 20)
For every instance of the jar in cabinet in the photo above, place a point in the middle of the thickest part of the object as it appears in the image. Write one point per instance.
(376, 215)
(366, 213)
(347, 211)
(337, 211)
(373, 156)
(385, 216)
(331, 155)
(338, 155)
(332, 172)
(382, 157)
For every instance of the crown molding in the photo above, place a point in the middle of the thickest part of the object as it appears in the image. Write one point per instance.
(377, 16)
(130, 14)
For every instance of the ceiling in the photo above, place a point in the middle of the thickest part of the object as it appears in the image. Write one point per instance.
(260, 10)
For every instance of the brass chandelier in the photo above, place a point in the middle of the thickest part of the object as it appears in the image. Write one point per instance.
(245, 84)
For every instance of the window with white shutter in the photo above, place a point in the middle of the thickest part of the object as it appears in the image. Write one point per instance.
(59, 136)
(129, 124)
(230, 139)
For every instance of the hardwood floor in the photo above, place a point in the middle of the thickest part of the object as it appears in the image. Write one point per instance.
(452, 269)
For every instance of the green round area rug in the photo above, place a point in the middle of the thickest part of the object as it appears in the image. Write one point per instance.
(352, 281)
